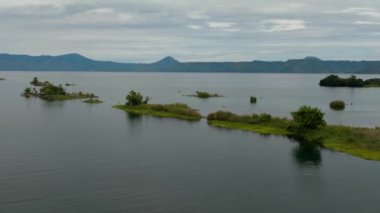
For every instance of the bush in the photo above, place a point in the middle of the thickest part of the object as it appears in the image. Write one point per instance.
(309, 117)
(253, 100)
(337, 105)
(223, 116)
(134, 98)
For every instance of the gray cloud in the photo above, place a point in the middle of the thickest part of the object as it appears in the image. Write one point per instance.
(136, 30)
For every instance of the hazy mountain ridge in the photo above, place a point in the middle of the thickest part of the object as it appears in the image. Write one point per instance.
(76, 62)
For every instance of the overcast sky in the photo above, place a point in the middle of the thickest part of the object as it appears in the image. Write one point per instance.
(192, 30)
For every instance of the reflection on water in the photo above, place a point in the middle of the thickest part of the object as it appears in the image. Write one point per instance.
(133, 117)
(307, 154)
(134, 122)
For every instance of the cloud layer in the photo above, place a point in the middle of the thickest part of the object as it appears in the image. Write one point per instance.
(197, 30)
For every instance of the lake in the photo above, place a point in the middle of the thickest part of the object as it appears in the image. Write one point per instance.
(75, 157)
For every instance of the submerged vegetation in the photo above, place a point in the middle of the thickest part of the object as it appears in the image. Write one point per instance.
(201, 94)
(338, 105)
(51, 92)
(136, 104)
(93, 101)
(307, 125)
(352, 81)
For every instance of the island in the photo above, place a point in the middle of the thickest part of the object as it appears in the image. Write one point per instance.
(204, 95)
(137, 105)
(50, 92)
(307, 126)
(92, 100)
(352, 81)
(2, 79)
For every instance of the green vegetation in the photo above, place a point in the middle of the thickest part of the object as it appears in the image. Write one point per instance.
(136, 99)
(308, 117)
(253, 100)
(37, 83)
(93, 101)
(177, 110)
(204, 95)
(360, 142)
(136, 104)
(373, 82)
(337, 105)
(2, 79)
(260, 123)
(51, 92)
(353, 81)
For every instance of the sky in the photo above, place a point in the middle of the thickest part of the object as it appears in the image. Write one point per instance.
(196, 30)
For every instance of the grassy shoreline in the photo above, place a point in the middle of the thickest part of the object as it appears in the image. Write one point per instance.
(261, 129)
(360, 142)
(177, 111)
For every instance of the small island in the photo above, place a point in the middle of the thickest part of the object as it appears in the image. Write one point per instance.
(307, 126)
(204, 95)
(2, 79)
(138, 105)
(352, 81)
(337, 105)
(51, 92)
(93, 101)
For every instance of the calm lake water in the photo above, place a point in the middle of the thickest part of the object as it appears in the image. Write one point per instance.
(74, 157)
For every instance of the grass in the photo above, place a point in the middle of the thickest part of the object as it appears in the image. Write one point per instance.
(261, 129)
(177, 110)
(359, 142)
(204, 95)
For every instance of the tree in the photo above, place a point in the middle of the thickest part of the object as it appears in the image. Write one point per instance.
(309, 117)
(134, 98)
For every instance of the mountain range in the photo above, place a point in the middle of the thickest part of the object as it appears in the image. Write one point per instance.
(76, 62)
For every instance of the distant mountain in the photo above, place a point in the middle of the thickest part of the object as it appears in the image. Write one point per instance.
(76, 62)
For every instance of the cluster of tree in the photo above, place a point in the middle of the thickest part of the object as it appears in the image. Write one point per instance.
(136, 99)
(336, 81)
(49, 91)
(352, 81)
(252, 100)
(37, 83)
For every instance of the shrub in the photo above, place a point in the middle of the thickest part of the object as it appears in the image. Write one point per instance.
(223, 116)
(337, 105)
(308, 117)
(253, 100)
(134, 98)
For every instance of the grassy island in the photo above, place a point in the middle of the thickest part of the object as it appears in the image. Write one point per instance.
(177, 110)
(200, 94)
(306, 126)
(353, 81)
(51, 92)
(136, 104)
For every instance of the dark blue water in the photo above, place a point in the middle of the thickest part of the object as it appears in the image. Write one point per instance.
(74, 157)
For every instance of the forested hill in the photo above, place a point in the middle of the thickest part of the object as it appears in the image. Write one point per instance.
(76, 62)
